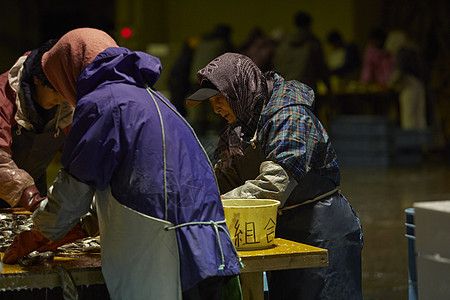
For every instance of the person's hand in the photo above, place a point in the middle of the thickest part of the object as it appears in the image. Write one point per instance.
(74, 234)
(30, 198)
(32, 240)
(24, 243)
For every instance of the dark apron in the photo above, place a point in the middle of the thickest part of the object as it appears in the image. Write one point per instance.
(328, 223)
(34, 152)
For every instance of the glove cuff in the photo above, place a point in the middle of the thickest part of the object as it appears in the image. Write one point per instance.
(30, 198)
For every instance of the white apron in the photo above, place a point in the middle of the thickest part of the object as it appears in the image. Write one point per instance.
(139, 256)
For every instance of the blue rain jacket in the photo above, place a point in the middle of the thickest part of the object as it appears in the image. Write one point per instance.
(132, 140)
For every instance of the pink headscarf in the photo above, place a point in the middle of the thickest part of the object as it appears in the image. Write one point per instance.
(65, 61)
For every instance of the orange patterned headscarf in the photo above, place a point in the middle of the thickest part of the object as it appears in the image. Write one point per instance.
(65, 61)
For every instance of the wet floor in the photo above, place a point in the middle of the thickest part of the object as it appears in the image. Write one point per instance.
(380, 196)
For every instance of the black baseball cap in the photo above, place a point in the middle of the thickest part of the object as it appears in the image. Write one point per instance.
(206, 91)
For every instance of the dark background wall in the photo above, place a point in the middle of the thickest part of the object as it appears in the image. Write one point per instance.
(25, 24)
(173, 21)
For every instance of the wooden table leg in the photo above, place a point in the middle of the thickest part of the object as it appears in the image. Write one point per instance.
(252, 285)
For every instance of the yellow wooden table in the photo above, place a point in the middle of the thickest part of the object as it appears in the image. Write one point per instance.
(85, 269)
(283, 255)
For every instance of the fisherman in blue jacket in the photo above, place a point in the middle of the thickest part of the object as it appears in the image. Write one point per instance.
(161, 219)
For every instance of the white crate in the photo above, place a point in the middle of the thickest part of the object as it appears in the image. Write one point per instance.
(432, 231)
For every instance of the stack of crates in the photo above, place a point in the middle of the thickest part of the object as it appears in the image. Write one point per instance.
(362, 140)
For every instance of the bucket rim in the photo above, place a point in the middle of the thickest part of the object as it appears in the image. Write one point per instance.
(272, 203)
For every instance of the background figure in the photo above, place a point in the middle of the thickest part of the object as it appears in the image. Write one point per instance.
(343, 60)
(300, 56)
(407, 80)
(179, 84)
(377, 61)
(260, 48)
(211, 45)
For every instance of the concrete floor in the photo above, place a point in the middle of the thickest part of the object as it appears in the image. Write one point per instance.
(380, 196)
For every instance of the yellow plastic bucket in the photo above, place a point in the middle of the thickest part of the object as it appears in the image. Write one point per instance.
(251, 222)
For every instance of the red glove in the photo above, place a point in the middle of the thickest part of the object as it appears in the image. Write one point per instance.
(29, 241)
(30, 198)
(24, 243)
(74, 234)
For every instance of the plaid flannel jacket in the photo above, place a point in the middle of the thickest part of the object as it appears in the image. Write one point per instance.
(292, 136)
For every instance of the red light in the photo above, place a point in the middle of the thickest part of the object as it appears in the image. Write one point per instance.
(126, 32)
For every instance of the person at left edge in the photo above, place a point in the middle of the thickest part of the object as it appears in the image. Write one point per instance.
(34, 122)
(161, 219)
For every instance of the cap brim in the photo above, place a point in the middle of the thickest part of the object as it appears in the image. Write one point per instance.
(201, 95)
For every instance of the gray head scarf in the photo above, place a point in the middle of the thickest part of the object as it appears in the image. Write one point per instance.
(247, 90)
